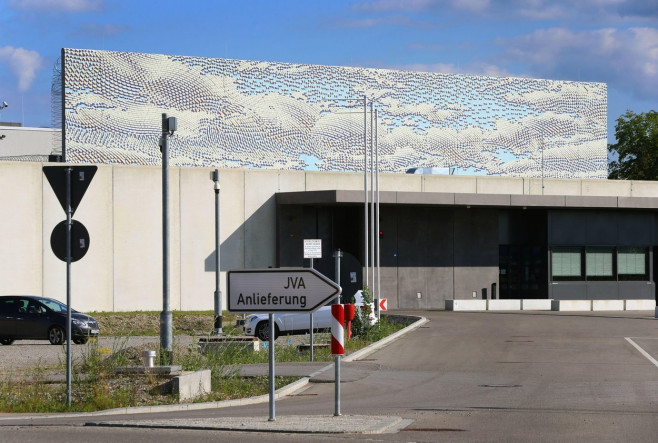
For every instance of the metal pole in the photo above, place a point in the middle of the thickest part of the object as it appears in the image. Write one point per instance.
(69, 223)
(379, 290)
(365, 185)
(311, 322)
(166, 329)
(218, 290)
(372, 204)
(337, 386)
(271, 364)
(337, 255)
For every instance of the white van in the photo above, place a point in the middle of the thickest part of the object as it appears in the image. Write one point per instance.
(295, 323)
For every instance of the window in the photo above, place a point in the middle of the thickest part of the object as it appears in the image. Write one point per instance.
(632, 263)
(567, 263)
(599, 263)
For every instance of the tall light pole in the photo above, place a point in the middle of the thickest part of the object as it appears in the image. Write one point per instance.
(372, 203)
(377, 265)
(218, 290)
(169, 125)
(365, 187)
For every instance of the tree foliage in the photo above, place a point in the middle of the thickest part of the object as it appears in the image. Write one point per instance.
(636, 147)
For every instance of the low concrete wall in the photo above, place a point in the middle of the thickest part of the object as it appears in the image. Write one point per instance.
(607, 305)
(466, 305)
(603, 305)
(640, 305)
(549, 305)
(571, 305)
(504, 305)
(536, 305)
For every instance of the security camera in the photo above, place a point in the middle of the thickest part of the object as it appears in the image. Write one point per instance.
(172, 125)
(5, 104)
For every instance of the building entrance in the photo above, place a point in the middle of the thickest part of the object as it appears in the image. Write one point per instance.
(523, 272)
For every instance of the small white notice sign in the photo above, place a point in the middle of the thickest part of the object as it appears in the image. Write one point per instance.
(312, 248)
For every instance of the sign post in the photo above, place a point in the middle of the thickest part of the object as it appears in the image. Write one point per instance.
(278, 290)
(312, 249)
(69, 184)
(337, 349)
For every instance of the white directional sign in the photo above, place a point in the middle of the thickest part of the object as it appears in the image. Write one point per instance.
(279, 290)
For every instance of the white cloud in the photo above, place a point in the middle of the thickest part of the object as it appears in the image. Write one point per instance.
(57, 5)
(594, 10)
(23, 63)
(625, 58)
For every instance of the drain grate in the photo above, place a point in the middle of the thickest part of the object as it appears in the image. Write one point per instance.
(500, 386)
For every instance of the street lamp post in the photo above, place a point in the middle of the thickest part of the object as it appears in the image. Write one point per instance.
(169, 125)
(218, 290)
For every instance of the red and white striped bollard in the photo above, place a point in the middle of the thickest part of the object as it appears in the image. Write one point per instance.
(337, 330)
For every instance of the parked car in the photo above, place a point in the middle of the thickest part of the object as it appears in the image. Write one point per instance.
(26, 317)
(294, 323)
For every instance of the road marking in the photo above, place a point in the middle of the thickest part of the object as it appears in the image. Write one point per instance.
(642, 351)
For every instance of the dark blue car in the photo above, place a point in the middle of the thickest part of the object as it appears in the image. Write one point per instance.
(26, 317)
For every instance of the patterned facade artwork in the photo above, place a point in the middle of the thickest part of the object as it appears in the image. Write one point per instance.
(250, 114)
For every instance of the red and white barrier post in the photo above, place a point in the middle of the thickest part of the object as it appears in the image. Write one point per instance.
(337, 330)
(337, 347)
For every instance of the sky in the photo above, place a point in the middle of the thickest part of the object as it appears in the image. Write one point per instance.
(609, 41)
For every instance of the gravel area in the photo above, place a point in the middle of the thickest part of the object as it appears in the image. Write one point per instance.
(32, 353)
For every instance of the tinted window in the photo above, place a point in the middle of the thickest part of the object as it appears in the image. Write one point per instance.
(8, 306)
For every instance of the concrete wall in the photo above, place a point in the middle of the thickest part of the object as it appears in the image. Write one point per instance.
(24, 142)
(122, 211)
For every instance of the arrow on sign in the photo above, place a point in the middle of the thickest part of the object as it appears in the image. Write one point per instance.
(279, 290)
(80, 179)
(383, 304)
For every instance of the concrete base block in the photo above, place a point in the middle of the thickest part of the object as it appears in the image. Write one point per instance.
(504, 305)
(571, 305)
(640, 305)
(607, 305)
(466, 305)
(536, 304)
(191, 384)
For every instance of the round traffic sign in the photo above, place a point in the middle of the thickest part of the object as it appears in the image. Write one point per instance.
(79, 240)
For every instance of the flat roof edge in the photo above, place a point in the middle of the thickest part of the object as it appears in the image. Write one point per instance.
(333, 197)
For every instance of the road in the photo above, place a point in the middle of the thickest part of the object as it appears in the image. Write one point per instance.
(462, 377)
